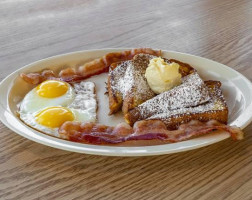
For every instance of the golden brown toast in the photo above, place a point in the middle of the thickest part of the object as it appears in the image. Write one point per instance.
(216, 108)
(127, 85)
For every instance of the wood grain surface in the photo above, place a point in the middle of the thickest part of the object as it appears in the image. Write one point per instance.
(35, 29)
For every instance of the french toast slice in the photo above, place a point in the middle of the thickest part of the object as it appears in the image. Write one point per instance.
(127, 85)
(216, 108)
(192, 92)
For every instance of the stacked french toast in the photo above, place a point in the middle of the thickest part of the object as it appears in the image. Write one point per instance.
(193, 99)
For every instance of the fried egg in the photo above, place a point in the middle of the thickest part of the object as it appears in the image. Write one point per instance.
(48, 93)
(54, 102)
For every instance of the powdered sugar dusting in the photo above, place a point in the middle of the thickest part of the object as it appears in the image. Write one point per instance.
(135, 84)
(215, 104)
(117, 77)
(191, 92)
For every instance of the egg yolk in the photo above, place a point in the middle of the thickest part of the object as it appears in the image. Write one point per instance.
(54, 117)
(52, 89)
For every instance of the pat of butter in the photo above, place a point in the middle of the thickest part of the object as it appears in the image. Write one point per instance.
(162, 76)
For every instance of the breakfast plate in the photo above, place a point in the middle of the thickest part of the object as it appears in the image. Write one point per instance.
(236, 88)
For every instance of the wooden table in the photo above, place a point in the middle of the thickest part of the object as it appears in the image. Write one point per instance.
(35, 29)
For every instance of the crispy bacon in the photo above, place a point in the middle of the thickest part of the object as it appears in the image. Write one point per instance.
(95, 67)
(92, 133)
(36, 78)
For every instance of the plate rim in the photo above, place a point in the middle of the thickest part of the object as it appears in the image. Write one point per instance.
(111, 150)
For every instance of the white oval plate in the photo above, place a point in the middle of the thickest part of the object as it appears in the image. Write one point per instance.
(236, 88)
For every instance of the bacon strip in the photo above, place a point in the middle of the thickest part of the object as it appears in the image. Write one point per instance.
(36, 78)
(89, 69)
(92, 133)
